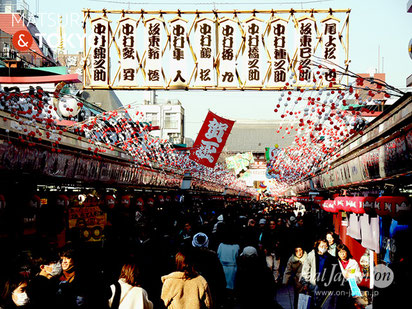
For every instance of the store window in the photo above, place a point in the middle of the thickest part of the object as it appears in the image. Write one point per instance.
(171, 121)
(153, 118)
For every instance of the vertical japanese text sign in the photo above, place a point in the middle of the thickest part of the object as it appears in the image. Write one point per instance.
(154, 42)
(178, 43)
(211, 140)
(306, 44)
(254, 48)
(100, 52)
(205, 42)
(227, 57)
(330, 43)
(128, 51)
(277, 47)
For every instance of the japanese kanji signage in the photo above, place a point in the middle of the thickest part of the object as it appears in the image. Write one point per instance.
(330, 47)
(100, 52)
(254, 48)
(278, 52)
(128, 55)
(205, 42)
(306, 44)
(213, 50)
(211, 140)
(227, 60)
(179, 52)
(153, 42)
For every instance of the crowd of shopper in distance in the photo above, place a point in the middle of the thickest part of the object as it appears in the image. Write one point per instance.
(186, 255)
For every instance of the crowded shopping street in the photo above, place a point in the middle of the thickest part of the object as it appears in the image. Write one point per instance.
(194, 155)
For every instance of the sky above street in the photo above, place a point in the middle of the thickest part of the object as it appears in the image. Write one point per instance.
(374, 25)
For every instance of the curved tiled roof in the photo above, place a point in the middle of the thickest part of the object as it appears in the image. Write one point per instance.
(255, 135)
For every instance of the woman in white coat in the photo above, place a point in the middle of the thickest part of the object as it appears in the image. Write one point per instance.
(126, 293)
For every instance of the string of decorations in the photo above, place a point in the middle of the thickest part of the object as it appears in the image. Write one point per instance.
(323, 120)
(36, 111)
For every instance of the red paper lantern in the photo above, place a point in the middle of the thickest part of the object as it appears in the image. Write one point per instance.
(369, 206)
(140, 203)
(340, 203)
(62, 200)
(150, 201)
(125, 201)
(35, 202)
(395, 206)
(110, 201)
(359, 204)
(330, 206)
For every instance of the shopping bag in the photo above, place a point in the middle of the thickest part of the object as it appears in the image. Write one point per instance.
(304, 301)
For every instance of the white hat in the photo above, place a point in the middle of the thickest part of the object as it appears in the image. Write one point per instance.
(220, 218)
(200, 240)
(249, 251)
(262, 221)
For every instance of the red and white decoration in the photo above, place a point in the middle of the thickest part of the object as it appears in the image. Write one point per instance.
(211, 140)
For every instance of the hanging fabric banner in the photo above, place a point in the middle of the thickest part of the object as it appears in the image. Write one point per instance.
(227, 60)
(306, 44)
(254, 48)
(178, 43)
(100, 52)
(278, 52)
(211, 140)
(205, 42)
(128, 55)
(154, 42)
(330, 35)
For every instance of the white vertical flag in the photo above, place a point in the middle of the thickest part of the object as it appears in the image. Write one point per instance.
(227, 53)
(179, 52)
(154, 41)
(204, 45)
(128, 53)
(277, 46)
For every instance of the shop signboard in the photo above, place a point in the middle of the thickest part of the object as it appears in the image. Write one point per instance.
(88, 221)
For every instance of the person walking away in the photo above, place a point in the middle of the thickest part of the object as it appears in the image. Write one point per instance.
(254, 285)
(228, 253)
(127, 292)
(185, 288)
(207, 264)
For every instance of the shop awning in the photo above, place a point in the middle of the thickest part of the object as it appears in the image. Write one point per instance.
(68, 78)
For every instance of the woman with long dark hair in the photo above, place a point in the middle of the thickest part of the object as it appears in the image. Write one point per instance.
(185, 288)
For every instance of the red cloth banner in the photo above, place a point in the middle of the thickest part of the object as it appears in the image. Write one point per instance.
(211, 140)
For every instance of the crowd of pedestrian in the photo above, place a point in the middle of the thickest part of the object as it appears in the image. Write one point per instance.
(190, 255)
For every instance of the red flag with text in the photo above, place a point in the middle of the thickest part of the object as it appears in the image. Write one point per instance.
(211, 140)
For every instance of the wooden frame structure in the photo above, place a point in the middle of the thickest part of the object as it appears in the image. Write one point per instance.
(293, 17)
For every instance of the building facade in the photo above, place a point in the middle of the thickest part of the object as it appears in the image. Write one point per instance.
(167, 118)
